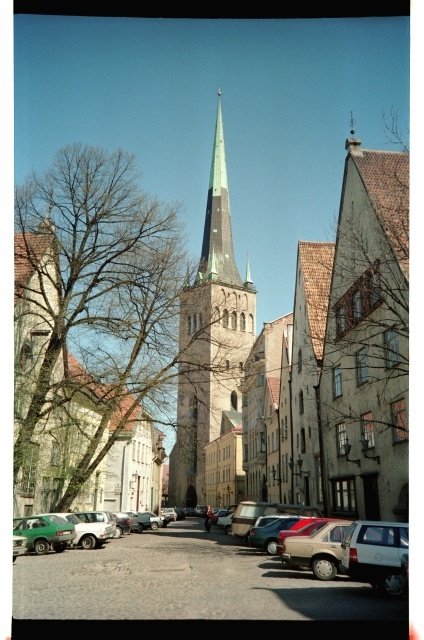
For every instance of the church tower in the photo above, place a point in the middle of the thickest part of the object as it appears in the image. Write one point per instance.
(217, 332)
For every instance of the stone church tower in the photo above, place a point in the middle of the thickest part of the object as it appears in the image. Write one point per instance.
(217, 330)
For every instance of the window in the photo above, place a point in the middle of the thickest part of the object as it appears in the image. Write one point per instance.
(400, 421)
(391, 348)
(367, 428)
(340, 320)
(357, 305)
(361, 366)
(55, 455)
(194, 320)
(343, 492)
(301, 407)
(244, 400)
(260, 408)
(241, 368)
(29, 473)
(227, 365)
(26, 356)
(234, 400)
(242, 322)
(375, 287)
(234, 320)
(302, 441)
(299, 360)
(261, 379)
(225, 318)
(337, 382)
(341, 438)
(189, 325)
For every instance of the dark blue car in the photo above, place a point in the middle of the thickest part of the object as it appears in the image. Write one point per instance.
(266, 538)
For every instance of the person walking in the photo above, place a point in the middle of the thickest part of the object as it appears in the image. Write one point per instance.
(208, 519)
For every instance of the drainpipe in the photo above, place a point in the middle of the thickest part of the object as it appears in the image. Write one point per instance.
(321, 443)
(291, 436)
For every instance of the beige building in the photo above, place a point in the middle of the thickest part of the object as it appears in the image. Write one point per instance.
(313, 277)
(217, 330)
(224, 476)
(263, 360)
(365, 379)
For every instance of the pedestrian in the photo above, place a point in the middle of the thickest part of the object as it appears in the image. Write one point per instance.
(208, 519)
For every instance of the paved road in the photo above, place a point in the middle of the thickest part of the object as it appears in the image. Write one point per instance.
(183, 573)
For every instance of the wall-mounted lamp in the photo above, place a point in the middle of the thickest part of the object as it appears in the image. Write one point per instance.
(228, 489)
(347, 447)
(365, 444)
(299, 463)
(274, 473)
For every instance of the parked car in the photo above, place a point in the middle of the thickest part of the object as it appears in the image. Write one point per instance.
(247, 512)
(372, 552)
(189, 512)
(123, 524)
(169, 513)
(320, 551)
(44, 533)
(98, 516)
(149, 520)
(201, 509)
(262, 521)
(218, 513)
(89, 535)
(180, 513)
(224, 522)
(19, 546)
(313, 524)
(265, 538)
(133, 520)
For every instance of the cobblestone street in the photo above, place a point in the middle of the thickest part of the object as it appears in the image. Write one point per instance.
(183, 573)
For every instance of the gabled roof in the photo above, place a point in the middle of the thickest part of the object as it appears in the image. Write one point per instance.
(317, 259)
(29, 249)
(274, 388)
(385, 175)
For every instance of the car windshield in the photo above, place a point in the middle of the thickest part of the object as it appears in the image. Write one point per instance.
(71, 517)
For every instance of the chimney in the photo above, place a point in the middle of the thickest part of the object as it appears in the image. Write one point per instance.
(352, 146)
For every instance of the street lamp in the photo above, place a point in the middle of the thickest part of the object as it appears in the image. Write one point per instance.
(365, 444)
(228, 491)
(347, 447)
(299, 463)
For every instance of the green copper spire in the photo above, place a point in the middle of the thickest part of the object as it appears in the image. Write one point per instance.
(217, 248)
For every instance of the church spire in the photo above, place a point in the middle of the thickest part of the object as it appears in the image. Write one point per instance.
(217, 248)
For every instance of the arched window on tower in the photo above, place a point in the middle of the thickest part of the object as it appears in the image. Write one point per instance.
(216, 315)
(251, 327)
(242, 322)
(234, 400)
(225, 319)
(234, 320)
(26, 356)
(189, 325)
(194, 322)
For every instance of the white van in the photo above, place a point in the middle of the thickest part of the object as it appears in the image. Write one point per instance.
(249, 511)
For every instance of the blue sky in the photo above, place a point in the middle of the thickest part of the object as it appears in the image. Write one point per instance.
(150, 86)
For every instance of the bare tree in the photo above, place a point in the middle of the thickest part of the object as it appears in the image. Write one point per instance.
(108, 290)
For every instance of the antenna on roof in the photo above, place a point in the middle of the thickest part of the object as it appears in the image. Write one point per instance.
(352, 124)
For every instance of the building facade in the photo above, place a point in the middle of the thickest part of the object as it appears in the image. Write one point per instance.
(224, 476)
(365, 378)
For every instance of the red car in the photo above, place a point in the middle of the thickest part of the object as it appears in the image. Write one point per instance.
(311, 526)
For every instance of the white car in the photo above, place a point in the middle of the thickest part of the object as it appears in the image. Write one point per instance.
(224, 522)
(372, 552)
(169, 513)
(19, 546)
(90, 535)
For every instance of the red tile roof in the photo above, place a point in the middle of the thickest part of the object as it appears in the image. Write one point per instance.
(29, 249)
(317, 259)
(274, 387)
(385, 175)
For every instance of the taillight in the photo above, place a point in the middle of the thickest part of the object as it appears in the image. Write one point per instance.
(353, 555)
(251, 532)
(128, 522)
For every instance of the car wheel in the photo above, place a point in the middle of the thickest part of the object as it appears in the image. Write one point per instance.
(324, 569)
(140, 528)
(89, 542)
(155, 526)
(41, 547)
(118, 532)
(271, 547)
(393, 585)
(227, 528)
(59, 548)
